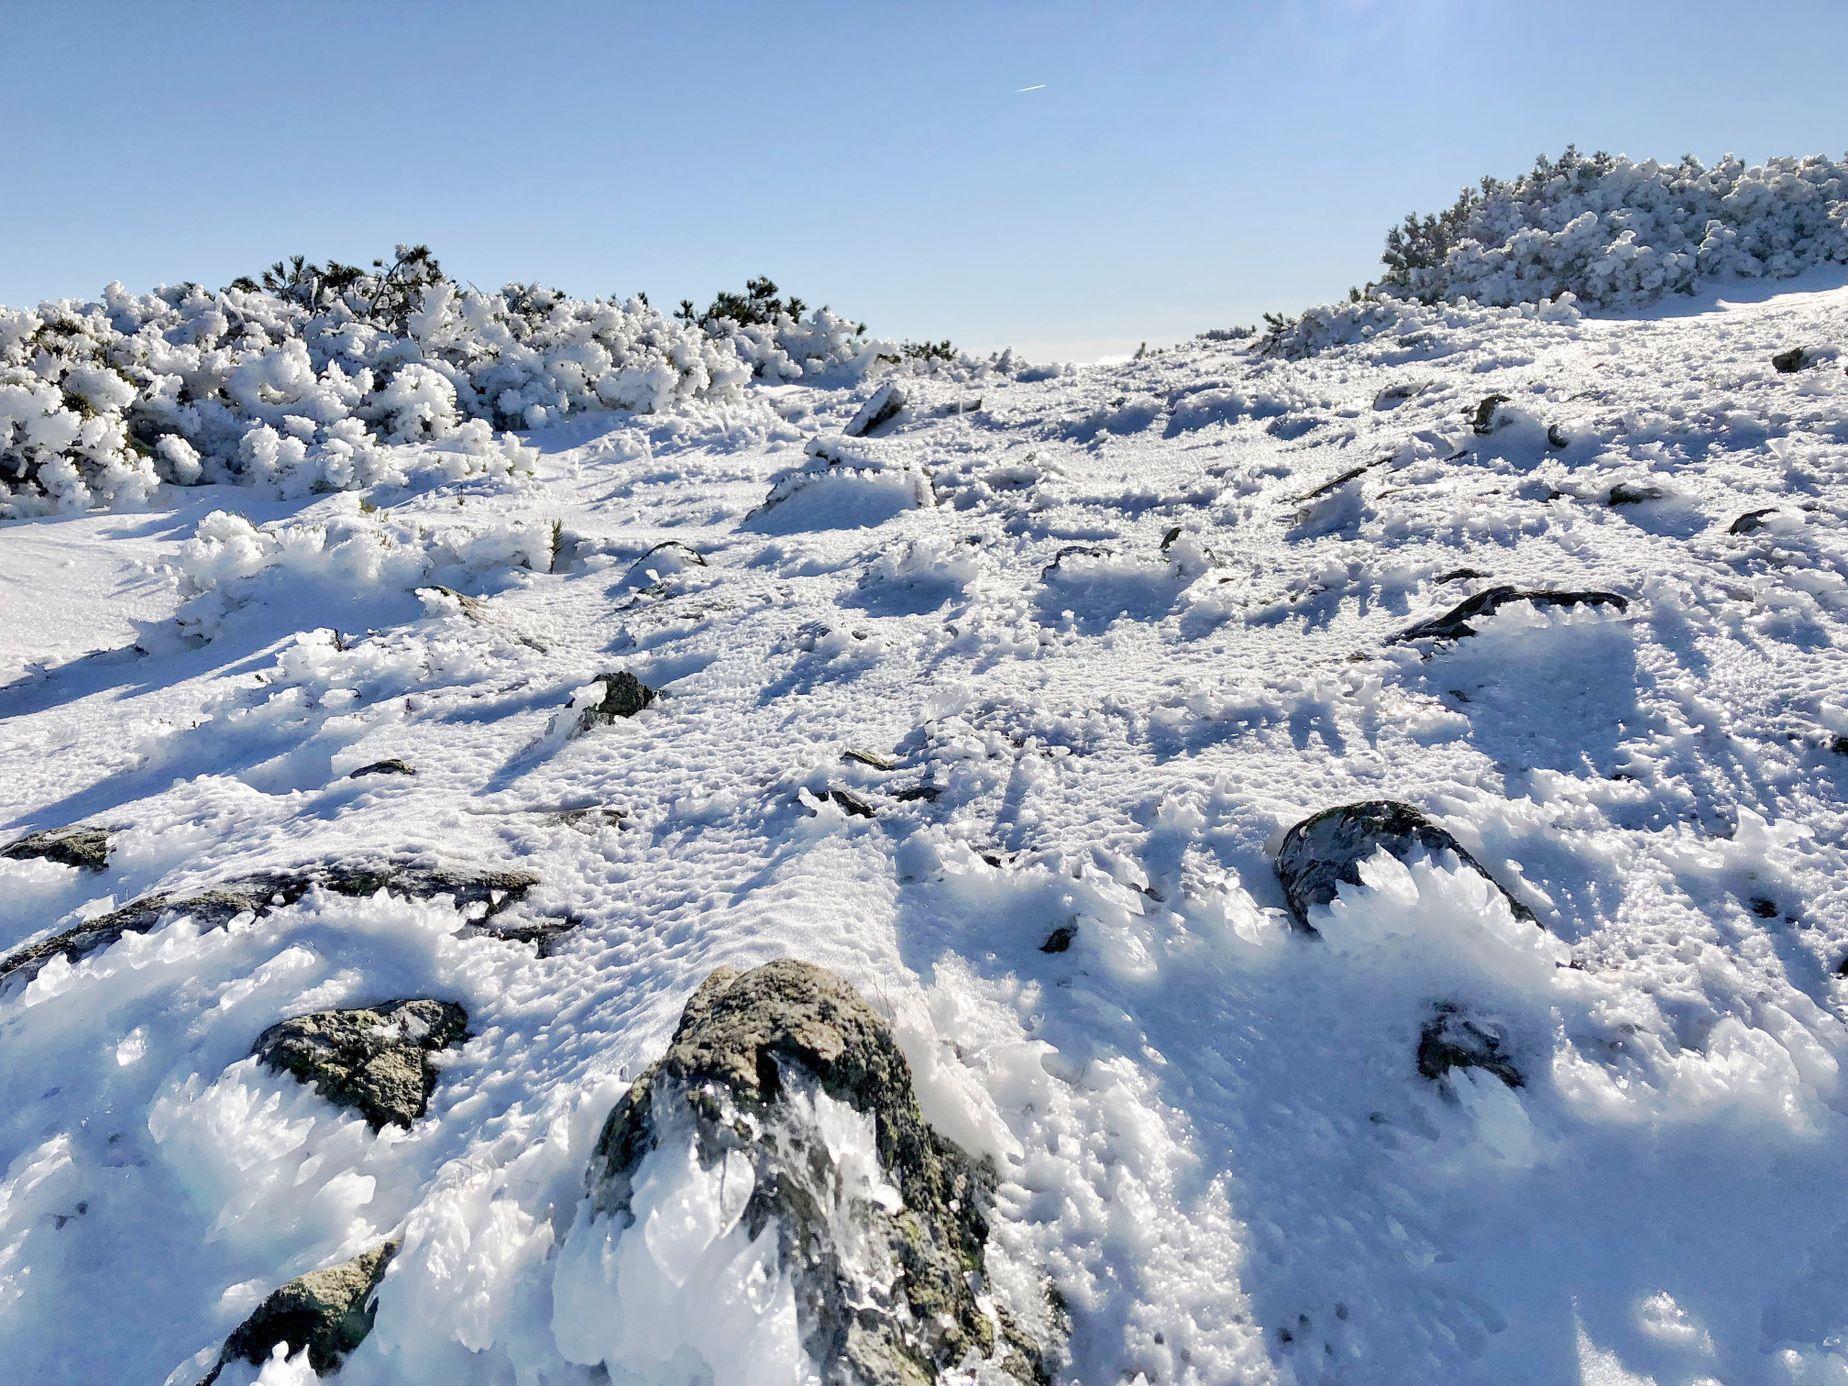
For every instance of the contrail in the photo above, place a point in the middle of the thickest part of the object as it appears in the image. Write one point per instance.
(1040, 86)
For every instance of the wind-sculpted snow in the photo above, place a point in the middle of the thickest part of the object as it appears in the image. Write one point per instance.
(1002, 712)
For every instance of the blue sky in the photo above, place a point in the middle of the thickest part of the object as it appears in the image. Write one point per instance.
(1184, 165)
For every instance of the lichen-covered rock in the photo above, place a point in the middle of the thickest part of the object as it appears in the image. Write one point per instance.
(1452, 1038)
(83, 847)
(1324, 852)
(749, 1050)
(1454, 624)
(375, 1060)
(327, 1313)
(217, 906)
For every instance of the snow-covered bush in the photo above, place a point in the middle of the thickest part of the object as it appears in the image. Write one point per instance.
(1621, 234)
(306, 379)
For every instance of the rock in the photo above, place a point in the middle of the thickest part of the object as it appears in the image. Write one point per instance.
(217, 906)
(1484, 421)
(927, 793)
(624, 695)
(1454, 623)
(1790, 362)
(1839, 744)
(1325, 850)
(327, 1312)
(1453, 1039)
(1060, 939)
(1751, 522)
(393, 766)
(871, 759)
(1167, 540)
(1462, 575)
(83, 847)
(887, 402)
(850, 803)
(375, 1060)
(1556, 437)
(738, 1076)
(438, 598)
(1627, 493)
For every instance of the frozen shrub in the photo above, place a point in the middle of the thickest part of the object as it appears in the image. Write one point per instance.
(1615, 233)
(308, 378)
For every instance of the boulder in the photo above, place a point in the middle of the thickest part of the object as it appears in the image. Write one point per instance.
(1454, 624)
(83, 847)
(1484, 420)
(375, 1060)
(744, 1075)
(1790, 362)
(1324, 852)
(1629, 493)
(327, 1312)
(1452, 1038)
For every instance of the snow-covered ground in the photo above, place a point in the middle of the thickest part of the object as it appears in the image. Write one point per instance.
(1113, 632)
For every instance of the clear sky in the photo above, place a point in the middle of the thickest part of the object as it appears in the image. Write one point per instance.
(1180, 165)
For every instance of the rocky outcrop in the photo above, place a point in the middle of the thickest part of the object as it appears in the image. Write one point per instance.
(750, 1052)
(216, 906)
(326, 1313)
(1454, 624)
(1324, 852)
(375, 1060)
(83, 847)
(1454, 1039)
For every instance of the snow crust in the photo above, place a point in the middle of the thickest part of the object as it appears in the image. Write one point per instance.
(1212, 1135)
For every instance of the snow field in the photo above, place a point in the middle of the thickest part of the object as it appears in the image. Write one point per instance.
(1213, 1138)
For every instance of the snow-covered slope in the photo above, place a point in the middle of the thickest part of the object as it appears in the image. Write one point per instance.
(1097, 640)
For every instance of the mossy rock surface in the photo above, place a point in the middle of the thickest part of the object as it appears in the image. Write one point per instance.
(744, 1042)
(327, 1312)
(375, 1059)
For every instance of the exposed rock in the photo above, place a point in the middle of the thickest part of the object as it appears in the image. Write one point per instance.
(1462, 575)
(927, 793)
(1556, 437)
(1060, 939)
(593, 818)
(887, 402)
(1789, 362)
(624, 695)
(436, 597)
(869, 758)
(375, 1060)
(216, 906)
(83, 847)
(1454, 1039)
(748, 1048)
(1628, 493)
(1174, 532)
(392, 766)
(326, 1312)
(1484, 421)
(1325, 850)
(1454, 623)
(1751, 522)
(850, 803)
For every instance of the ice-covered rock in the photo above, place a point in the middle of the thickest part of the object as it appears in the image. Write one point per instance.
(1325, 851)
(1454, 624)
(867, 1230)
(326, 1314)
